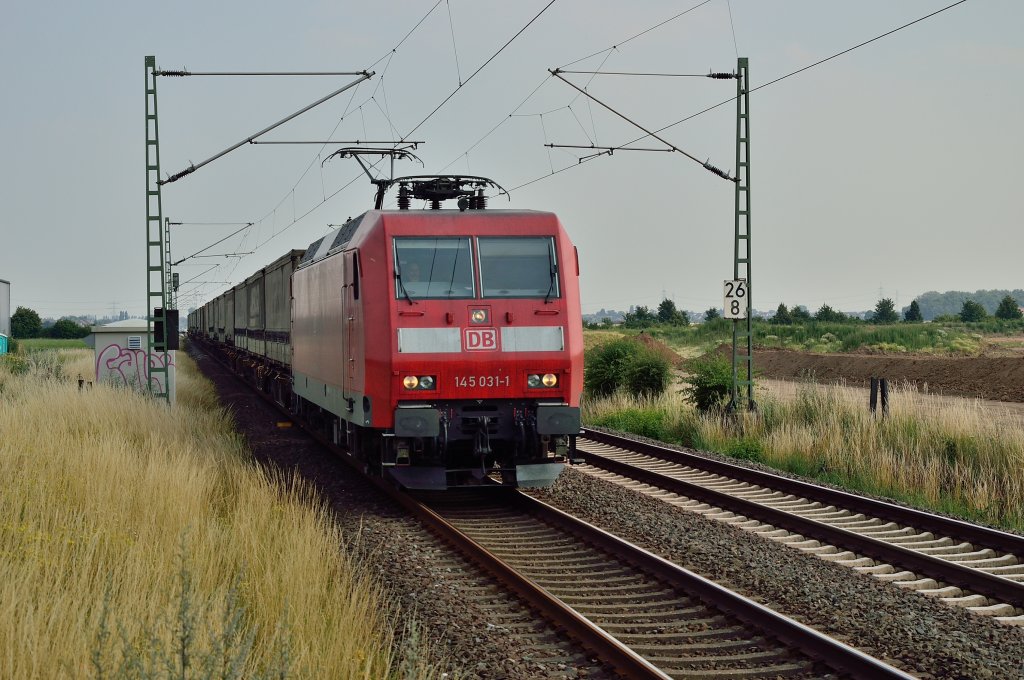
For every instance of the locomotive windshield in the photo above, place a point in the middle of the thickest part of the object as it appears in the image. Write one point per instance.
(517, 267)
(433, 268)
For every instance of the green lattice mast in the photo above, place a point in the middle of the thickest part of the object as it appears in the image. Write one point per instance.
(742, 330)
(157, 269)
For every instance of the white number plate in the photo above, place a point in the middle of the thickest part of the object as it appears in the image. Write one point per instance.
(735, 299)
(481, 381)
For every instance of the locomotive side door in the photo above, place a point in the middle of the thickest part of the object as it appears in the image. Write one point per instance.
(351, 320)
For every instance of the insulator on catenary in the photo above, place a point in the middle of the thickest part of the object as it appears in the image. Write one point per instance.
(178, 175)
(178, 74)
(403, 197)
(723, 76)
(718, 171)
(435, 204)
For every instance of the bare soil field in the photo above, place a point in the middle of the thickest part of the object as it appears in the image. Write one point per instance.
(998, 378)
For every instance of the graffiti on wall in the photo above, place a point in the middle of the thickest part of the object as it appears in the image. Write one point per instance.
(120, 365)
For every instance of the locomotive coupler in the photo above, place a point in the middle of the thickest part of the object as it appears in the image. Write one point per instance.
(443, 422)
(482, 439)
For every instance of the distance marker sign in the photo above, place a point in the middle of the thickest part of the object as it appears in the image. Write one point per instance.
(735, 293)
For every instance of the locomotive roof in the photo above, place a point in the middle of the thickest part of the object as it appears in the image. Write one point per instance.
(341, 237)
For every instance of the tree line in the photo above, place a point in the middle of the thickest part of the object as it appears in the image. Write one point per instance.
(25, 323)
(885, 312)
(934, 304)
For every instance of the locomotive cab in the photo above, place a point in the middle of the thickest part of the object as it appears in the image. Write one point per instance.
(483, 361)
(444, 347)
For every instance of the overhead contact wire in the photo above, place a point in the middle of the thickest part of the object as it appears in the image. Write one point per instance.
(735, 46)
(411, 31)
(481, 68)
(455, 48)
(389, 56)
(755, 89)
(590, 110)
(643, 32)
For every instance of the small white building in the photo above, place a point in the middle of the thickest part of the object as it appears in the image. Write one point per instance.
(122, 357)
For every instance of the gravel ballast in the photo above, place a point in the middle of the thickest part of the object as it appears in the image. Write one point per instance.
(473, 629)
(908, 630)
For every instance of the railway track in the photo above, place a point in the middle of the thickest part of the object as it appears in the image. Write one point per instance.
(635, 612)
(494, 634)
(646, 617)
(975, 567)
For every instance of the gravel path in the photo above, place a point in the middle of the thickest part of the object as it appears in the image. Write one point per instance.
(473, 629)
(911, 631)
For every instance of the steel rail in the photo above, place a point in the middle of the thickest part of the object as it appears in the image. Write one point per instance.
(610, 650)
(833, 653)
(984, 583)
(987, 536)
(603, 645)
(829, 651)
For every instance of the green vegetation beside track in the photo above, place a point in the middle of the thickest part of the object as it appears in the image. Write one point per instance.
(954, 460)
(142, 541)
(949, 455)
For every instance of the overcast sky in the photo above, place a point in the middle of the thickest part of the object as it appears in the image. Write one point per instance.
(891, 170)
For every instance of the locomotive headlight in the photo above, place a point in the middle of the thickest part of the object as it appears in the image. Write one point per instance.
(479, 316)
(419, 382)
(535, 380)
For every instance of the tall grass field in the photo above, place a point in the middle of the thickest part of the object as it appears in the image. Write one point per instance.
(952, 458)
(140, 541)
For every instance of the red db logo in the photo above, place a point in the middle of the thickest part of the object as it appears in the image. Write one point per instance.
(481, 339)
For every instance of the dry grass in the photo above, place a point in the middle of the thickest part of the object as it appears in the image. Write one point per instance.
(950, 456)
(592, 338)
(140, 541)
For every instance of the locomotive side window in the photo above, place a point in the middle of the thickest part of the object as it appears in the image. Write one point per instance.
(439, 268)
(518, 267)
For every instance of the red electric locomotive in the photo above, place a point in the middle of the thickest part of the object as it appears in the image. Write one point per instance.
(443, 347)
(440, 347)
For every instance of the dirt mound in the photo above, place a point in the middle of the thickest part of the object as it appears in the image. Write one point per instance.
(660, 348)
(999, 378)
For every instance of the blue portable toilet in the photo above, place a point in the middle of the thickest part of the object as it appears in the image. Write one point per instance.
(5, 314)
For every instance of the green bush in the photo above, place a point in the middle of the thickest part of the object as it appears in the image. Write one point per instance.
(25, 323)
(648, 423)
(605, 366)
(646, 374)
(885, 312)
(972, 311)
(1008, 309)
(16, 364)
(745, 448)
(710, 382)
(68, 329)
(626, 364)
